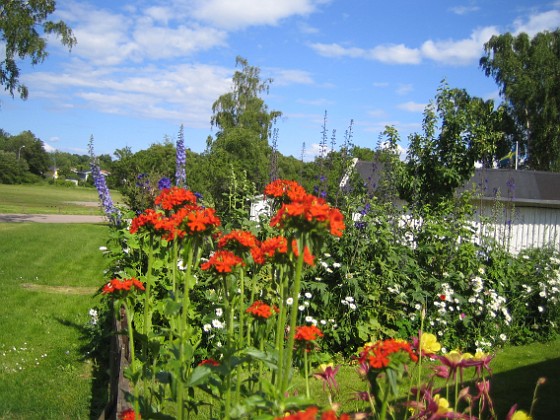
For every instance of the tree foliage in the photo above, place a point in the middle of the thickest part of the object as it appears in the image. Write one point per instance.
(527, 71)
(29, 157)
(459, 130)
(23, 29)
(244, 123)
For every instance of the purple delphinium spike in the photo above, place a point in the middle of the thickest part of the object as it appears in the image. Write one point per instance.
(180, 173)
(112, 213)
(164, 183)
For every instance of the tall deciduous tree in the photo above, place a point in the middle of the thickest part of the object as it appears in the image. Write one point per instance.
(23, 26)
(244, 123)
(527, 71)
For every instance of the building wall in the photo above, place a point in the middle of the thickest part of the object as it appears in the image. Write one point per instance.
(520, 227)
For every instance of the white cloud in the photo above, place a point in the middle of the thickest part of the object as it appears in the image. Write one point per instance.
(460, 52)
(377, 113)
(284, 77)
(179, 93)
(237, 14)
(48, 148)
(411, 106)
(155, 43)
(404, 88)
(546, 21)
(463, 10)
(390, 54)
(107, 38)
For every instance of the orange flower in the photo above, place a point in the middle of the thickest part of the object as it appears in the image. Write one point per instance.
(223, 261)
(331, 415)
(210, 362)
(308, 258)
(307, 333)
(238, 239)
(303, 211)
(309, 414)
(175, 197)
(195, 220)
(129, 414)
(376, 355)
(277, 244)
(117, 285)
(151, 219)
(259, 309)
(282, 188)
(336, 222)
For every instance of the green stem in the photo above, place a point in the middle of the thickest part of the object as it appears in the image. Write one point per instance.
(277, 375)
(306, 373)
(129, 315)
(385, 402)
(147, 294)
(293, 316)
(183, 326)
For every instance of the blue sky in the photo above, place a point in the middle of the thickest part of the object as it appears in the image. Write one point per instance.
(143, 68)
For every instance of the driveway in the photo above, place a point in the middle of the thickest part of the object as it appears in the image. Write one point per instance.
(51, 218)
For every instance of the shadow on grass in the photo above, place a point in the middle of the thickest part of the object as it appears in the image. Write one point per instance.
(517, 386)
(95, 347)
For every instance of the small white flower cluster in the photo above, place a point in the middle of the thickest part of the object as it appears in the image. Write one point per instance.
(349, 300)
(305, 304)
(326, 265)
(94, 316)
(215, 323)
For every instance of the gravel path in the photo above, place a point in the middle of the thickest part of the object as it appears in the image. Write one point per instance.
(51, 218)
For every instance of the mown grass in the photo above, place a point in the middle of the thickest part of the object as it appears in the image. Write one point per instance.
(44, 373)
(50, 199)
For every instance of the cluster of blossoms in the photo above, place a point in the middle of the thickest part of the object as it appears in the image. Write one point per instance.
(312, 413)
(349, 300)
(308, 333)
(129, 414)
(112, 213)
(378, 355)
(181, 160)
(261, 310)
(182, 216)
(120, 285)
(302, 210)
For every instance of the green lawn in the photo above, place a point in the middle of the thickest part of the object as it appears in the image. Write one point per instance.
(48, 275)
(50, 199)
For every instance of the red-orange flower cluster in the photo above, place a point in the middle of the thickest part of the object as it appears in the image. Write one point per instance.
(376, 355)
(285, 189)
(174, 198)
(307, 333)
(308, 257)
(238, 240)
(222, 261)
(151, 220)
(303, 210)
(117, 285)
(311, 414)
(183, 216)
(129, 414)
(259, 309)
(210, 362)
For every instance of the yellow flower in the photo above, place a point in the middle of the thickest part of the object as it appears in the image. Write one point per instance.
(323, 366)
(443, 405)
(521, 415)
(429, 343)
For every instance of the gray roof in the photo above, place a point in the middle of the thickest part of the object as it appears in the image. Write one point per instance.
(522, 187)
